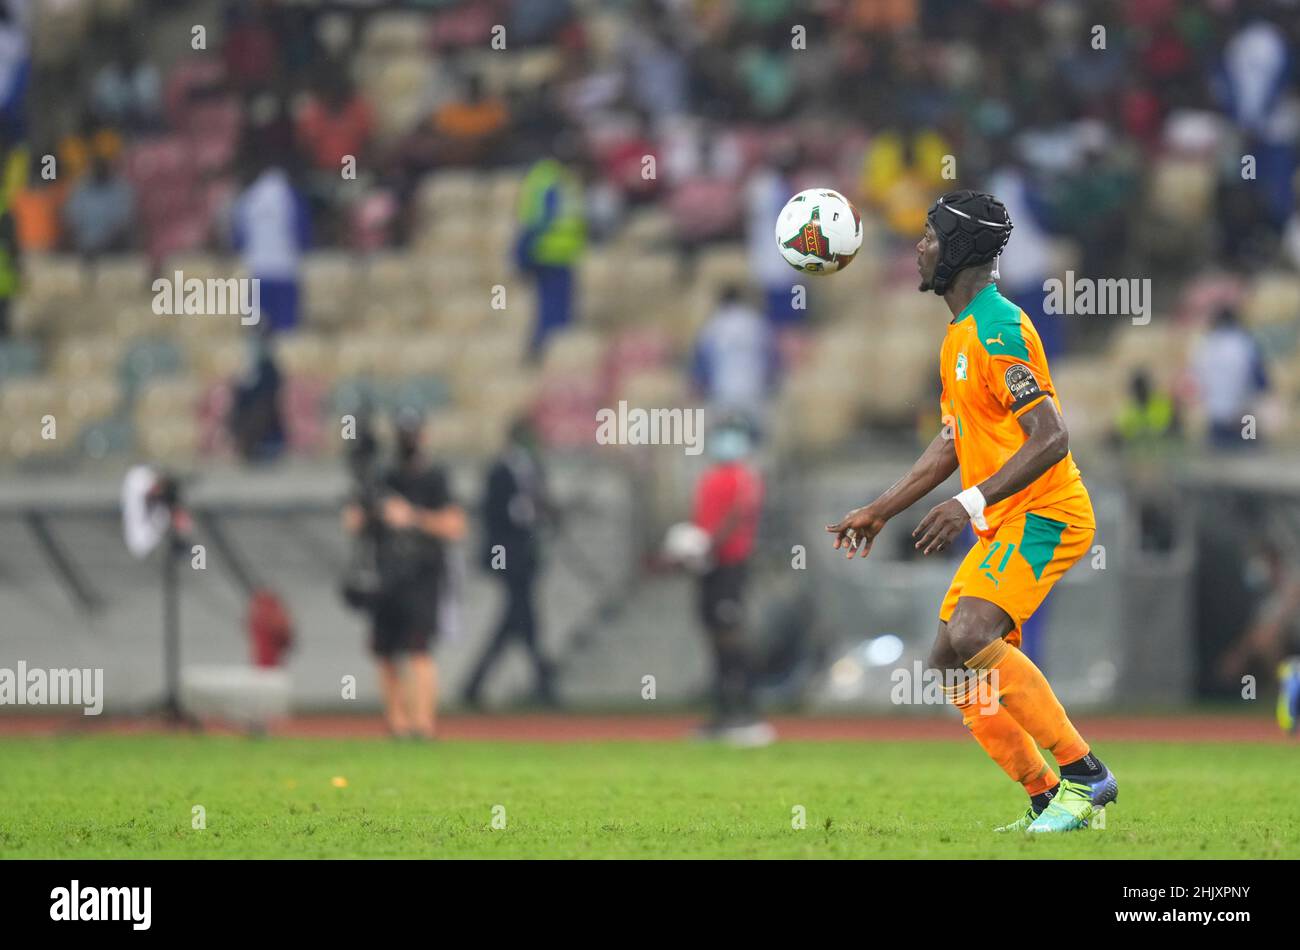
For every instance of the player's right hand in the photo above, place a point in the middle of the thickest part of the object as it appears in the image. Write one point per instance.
(856, 531)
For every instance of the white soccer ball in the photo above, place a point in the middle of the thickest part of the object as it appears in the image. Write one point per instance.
(818, 231)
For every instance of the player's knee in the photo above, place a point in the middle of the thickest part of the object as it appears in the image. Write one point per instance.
(942, 656)
(968, 635)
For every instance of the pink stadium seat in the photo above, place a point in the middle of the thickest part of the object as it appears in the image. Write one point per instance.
(467, 25)
(301, 404)
(188, 77)
(635, 350)
(565, 412)
(214, 410)
(706, 208)
(166, 158)
(213, 132)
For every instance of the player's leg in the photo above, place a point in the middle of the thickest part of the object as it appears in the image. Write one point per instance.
(1022, 565)
(996, 730)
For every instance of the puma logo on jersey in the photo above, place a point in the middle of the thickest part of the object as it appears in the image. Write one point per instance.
(994, 339)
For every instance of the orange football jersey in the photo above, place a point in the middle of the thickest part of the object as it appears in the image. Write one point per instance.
(993, 369)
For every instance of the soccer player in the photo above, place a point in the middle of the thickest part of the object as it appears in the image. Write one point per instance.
(1028, 506)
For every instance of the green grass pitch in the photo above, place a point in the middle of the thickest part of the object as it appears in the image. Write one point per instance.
(134, 797)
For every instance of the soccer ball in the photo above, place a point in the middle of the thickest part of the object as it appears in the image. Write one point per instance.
(818, 231)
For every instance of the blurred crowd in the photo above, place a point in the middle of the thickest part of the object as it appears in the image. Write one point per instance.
(1146, 138)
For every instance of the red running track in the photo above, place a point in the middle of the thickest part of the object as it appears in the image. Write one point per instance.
(557, 727)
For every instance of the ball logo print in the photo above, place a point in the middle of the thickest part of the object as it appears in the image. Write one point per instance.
(819, 231)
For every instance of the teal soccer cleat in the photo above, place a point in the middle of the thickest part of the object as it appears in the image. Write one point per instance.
(1076, 804)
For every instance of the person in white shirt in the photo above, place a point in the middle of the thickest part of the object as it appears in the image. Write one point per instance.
(1230, 373)
(270, 230)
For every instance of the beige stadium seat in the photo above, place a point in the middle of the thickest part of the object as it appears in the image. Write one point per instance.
(80, 357)
(304, 353)
(125, 275)
(169, 440)
(330, 280)
(812, 412)
(1091, 396)
(446, 194)
(92, 397)
(503, 395)
(1161, 349)
(167, 399)
(1182, 190)
(468, 313)
(459, 433)
(200, 264)
(214, 360)
(1274, 297)
(28, 398)
(652, 389)
(369, 354)
(490, 351)
(23, 440)
(397, 277)
(720, 266)
(573, 351)
(427, 353)
(51, 279)
(651, 277)
(396, 33)
(128, 319)
(503, 195)
(648, 226)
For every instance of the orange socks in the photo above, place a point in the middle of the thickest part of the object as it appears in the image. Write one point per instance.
(1024, 692)
(998, 734)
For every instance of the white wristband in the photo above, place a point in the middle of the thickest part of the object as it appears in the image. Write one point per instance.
(972, 499)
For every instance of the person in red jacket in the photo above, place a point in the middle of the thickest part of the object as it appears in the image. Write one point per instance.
(728, 503)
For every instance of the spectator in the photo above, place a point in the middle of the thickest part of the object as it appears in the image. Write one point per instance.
(100, 211)
(335, 123)
(1149, 418)
(127, 91)
(552, 237)
(766, 193)
(728, 503)
(735, 357)
(1230, 373)
(255, 421)
(1026, 263)
(270, 229)
(514, 506)
(10, 268)
(470, 129)
(1253, 81)
(15, 70)
(902, 172)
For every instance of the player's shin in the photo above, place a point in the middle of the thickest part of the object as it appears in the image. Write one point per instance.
(1024, 692)
(1000, 735)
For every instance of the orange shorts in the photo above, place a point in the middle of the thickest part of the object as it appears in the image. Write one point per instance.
(1017, 566)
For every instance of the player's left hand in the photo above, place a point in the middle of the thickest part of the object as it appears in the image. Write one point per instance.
(941, 526)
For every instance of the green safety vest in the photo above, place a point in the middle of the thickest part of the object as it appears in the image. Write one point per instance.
(561, 241)
(1151, 420)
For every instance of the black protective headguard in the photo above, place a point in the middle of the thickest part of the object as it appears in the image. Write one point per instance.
(972, 228)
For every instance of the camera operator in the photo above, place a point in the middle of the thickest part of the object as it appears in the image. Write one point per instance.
(411, 518)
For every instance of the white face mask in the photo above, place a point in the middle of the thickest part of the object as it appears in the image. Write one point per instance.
(729, 445)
